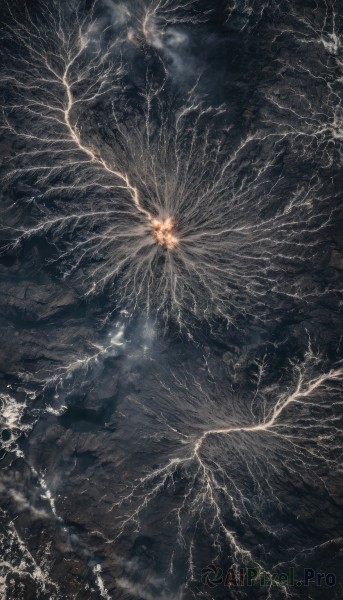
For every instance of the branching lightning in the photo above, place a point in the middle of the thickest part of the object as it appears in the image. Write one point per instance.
(244, 10)
(313, 121)
(159, 204)
(224, 468)
(150, 204)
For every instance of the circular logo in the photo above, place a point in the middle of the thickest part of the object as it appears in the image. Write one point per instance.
(212, 576)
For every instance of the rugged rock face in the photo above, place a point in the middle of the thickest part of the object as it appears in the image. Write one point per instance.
(171, 258)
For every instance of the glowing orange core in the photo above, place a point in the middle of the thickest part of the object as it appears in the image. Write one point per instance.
(163, 231)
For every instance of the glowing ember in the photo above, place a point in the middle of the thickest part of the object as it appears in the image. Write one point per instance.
(163, 232)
